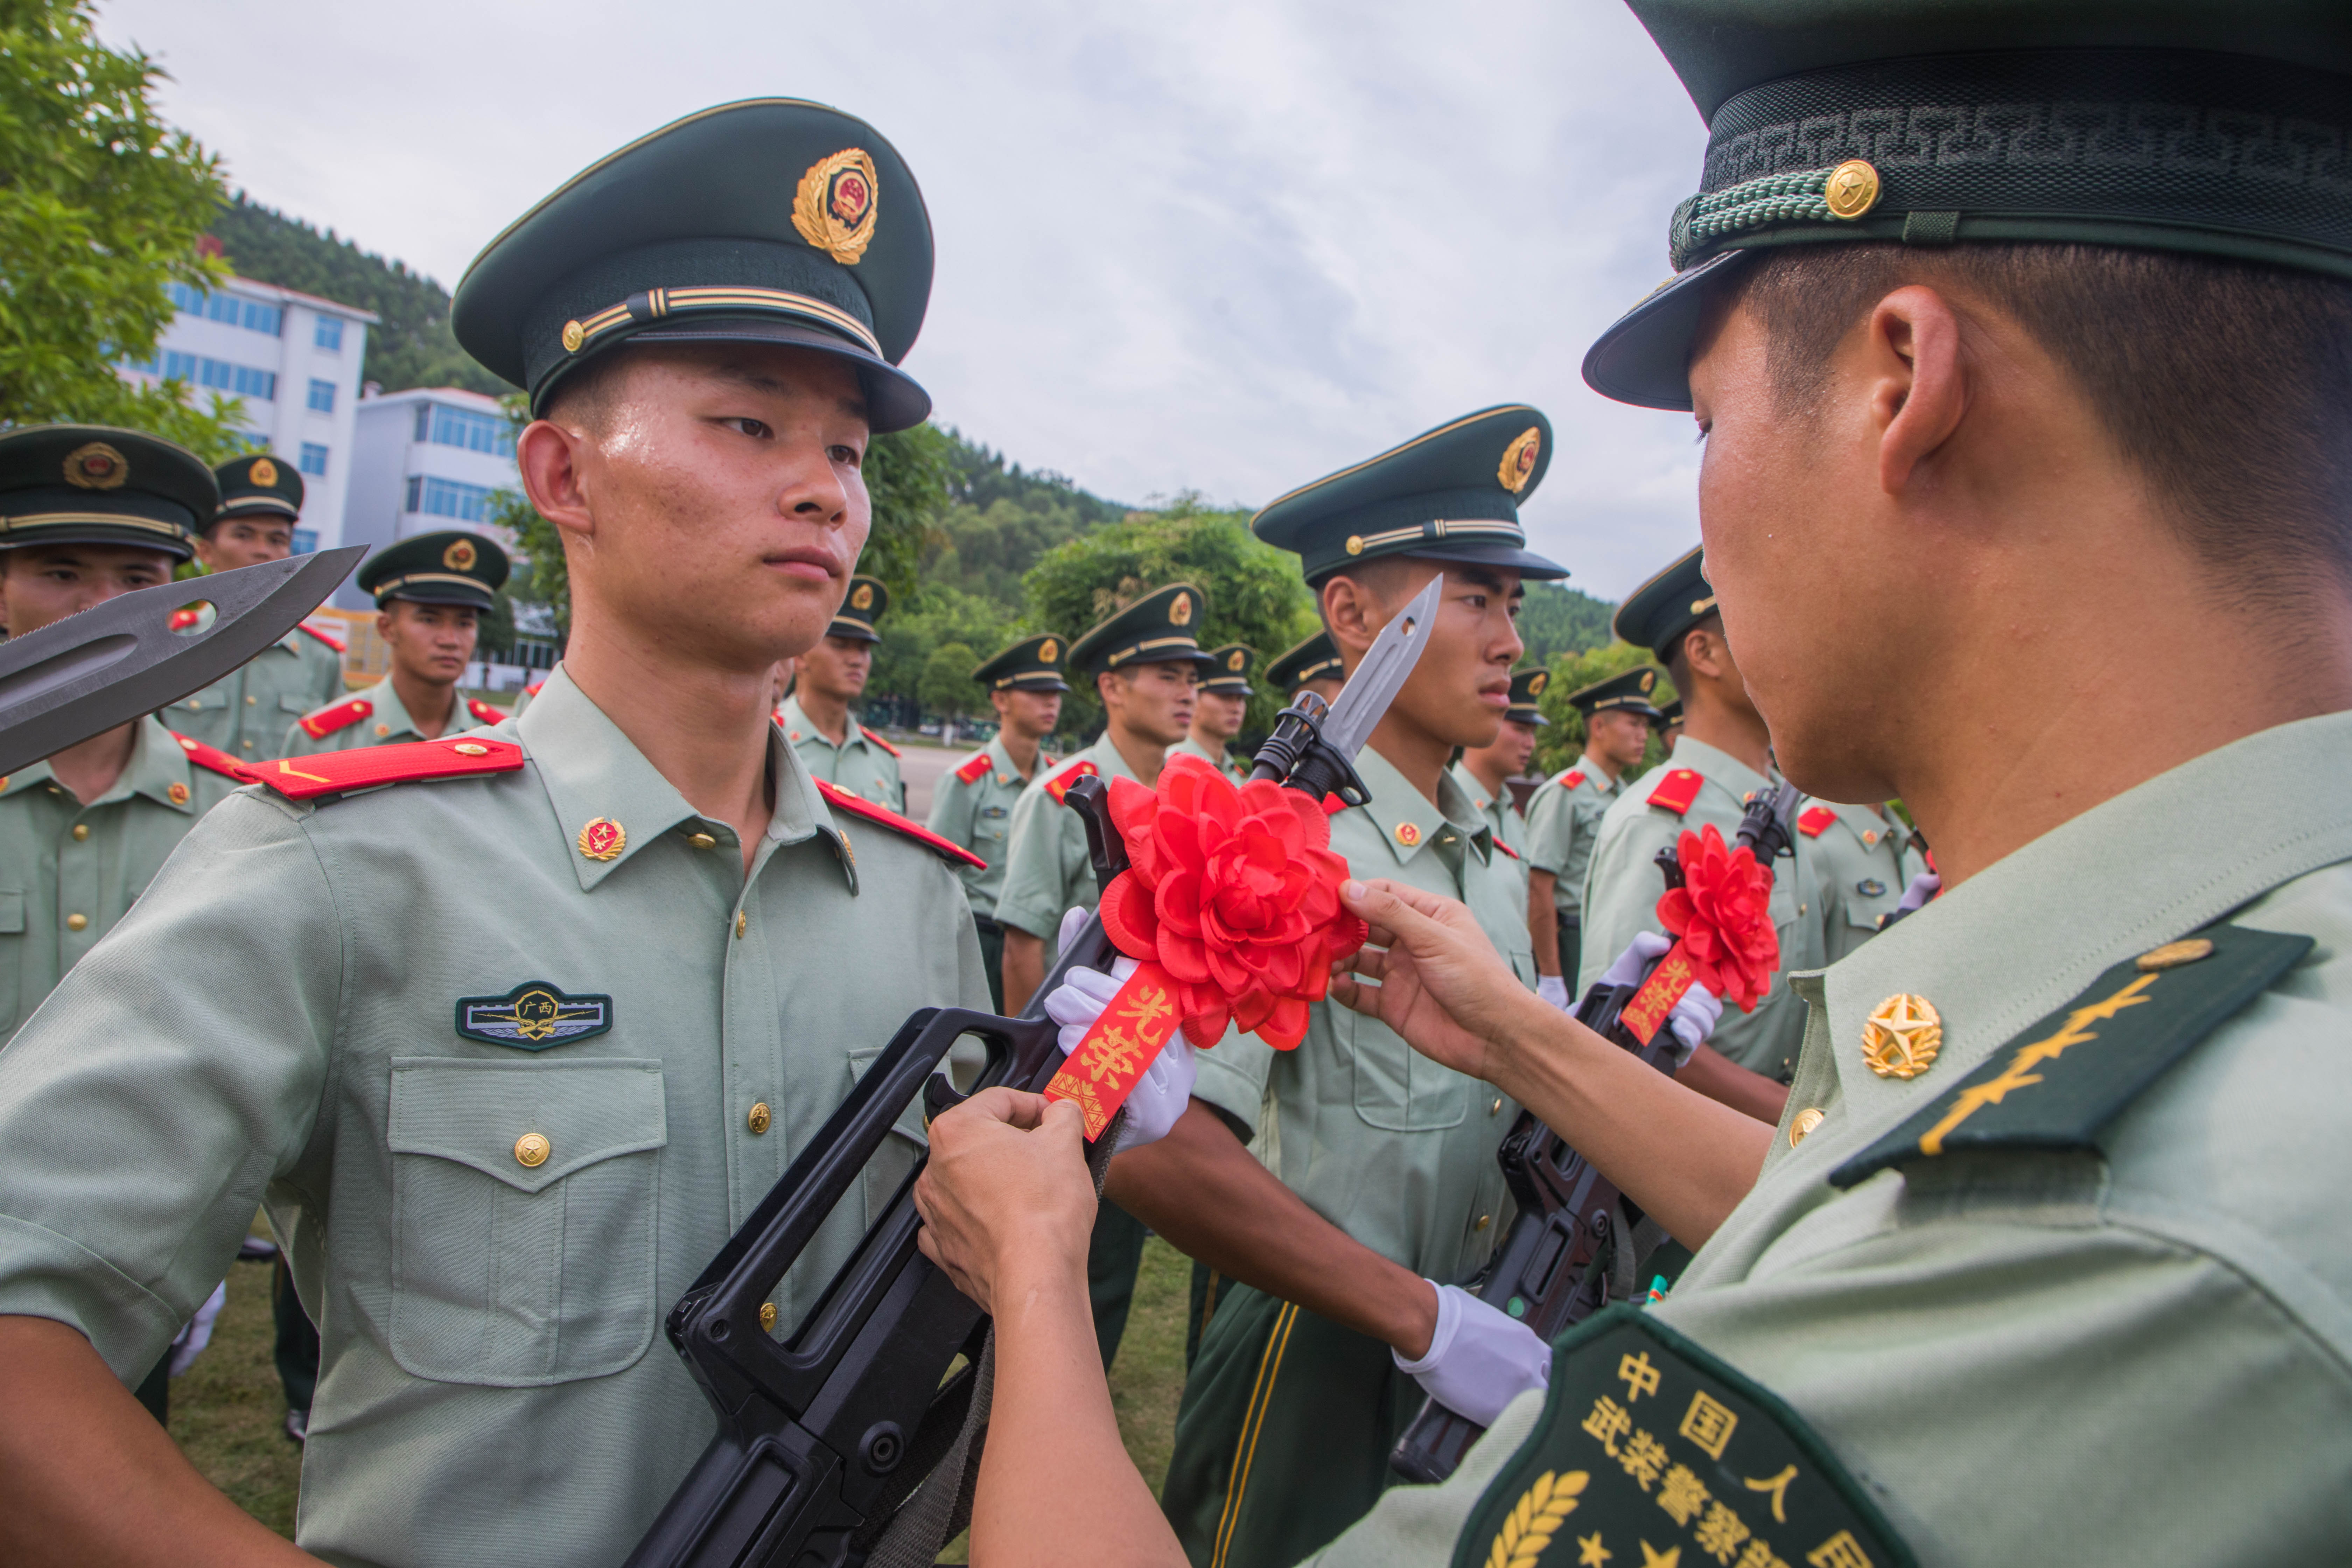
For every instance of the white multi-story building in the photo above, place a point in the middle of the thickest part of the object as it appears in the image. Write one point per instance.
(294, 359)
(424, 460)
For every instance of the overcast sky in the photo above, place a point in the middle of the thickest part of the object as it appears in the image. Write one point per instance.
(1210, 246)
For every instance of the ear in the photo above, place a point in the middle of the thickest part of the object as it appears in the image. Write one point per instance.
(550, 458)
(1350, 613)
(1917, 379)
(1705, 654)
(384, 621)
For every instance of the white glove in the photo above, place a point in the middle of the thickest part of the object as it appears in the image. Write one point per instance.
(1924, 887)
(1694, 1018)
(191, 1340)
(1479, 1360)
(1163, 1092)
(1553, 988)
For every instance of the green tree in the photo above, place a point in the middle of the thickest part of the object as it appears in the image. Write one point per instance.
(1554, 620)
(1256, 594)
(101, 205)
(1562, 742)
(948, 688)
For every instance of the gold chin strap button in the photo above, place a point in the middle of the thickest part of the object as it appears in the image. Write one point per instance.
(532, 1151)
(758, 1121)
(1806, 1120)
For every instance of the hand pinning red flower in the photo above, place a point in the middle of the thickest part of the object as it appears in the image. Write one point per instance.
(1723, 915)
(1234, 892)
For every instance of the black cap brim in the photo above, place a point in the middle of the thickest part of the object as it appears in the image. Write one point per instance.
(1644, 357)
(855, 631)
(894, 400)
(1034, 683)
(438, 595)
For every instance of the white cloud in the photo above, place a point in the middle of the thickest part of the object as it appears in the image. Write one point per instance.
(1219, 246)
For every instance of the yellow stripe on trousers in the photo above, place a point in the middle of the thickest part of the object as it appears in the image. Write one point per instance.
(1269, 1367)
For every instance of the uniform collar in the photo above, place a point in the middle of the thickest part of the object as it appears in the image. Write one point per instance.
(1715, 767)
(2016, 941)
(1598, 777)
(157, 765)
(1868, 825)
(1000, 760)
(799, 728)
(1397, 806)
(1104, 754)
(591, 770)
(388, 710)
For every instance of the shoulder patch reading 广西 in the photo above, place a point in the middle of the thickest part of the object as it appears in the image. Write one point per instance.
(1651, 1451)
(2060, 1080)
(339, 773)
(533, 1016)
(1677, 791)
(858, 806)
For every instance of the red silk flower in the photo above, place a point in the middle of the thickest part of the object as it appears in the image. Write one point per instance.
(1723, 913)
(1234, 892)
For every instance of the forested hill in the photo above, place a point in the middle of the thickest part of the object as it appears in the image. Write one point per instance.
(412, 346)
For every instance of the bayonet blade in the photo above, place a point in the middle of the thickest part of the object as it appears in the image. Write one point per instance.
(1387, 665)
(86, 674)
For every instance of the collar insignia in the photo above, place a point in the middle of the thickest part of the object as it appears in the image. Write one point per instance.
(532, 1016)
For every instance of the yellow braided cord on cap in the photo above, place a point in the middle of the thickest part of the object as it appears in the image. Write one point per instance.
(1528, 1527)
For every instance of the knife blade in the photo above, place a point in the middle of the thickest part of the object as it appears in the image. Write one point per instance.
(1387, 665)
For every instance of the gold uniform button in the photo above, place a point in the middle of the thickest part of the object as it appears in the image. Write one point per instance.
(768, 1316)
(758, 1121)
(1483, 1221)
(532, 1151)
(251, 701)
(77, 923)
(469, 749)
(742, 919)
(1806, 1120)
(1496, 1109)
(81, 832)
(701, 840)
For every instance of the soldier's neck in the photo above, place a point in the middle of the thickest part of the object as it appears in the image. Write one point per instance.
(829, 713)
(94, 766)
(1487, 769)
(1413, 751)
(1215, 745)
(1739, 732)
(1143, 755)
(1599, 765)
(431, 704)
(1021, 750)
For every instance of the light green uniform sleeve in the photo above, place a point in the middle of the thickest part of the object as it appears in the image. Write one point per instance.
(1045, 868)
(1561, 826)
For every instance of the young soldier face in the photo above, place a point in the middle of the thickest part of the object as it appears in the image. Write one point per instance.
(1458, 691)
(246, 542)
(1517, 745)
(1153, 701)
(431, 643)
(1029, 713)
(43, 583)
(837, 668)
(1617, 737)
(1218, 713)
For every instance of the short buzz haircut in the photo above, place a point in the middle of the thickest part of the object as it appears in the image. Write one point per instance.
(2229, 385)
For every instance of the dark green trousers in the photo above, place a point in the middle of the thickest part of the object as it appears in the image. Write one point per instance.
(992, 957)
(1282, 1438)
(1572, 953)
(297, 1351)
(1112, 1259)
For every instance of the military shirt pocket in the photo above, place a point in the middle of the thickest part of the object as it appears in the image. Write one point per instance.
(1397, 1090)
(523, 1198)
(210, 698)
(298, 705)
(1863, 913)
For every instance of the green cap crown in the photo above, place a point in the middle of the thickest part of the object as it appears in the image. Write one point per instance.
(1448, 494)
(1032, 664)
(97, 484)
(450, 567)
(1629, 689)
(860, 607)
(769, 220)
(1527, 685)
(2218, 127)
(1656, 615)
(1161, 627)
(1317, 658)
(1228, 670)
(258, 484)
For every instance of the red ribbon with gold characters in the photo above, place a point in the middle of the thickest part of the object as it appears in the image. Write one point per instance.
(1721, 918)
(1230, 906)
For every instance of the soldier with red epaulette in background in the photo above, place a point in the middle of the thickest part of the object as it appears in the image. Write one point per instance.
(1564, 819)
(973, 806)
(430, 592)
(831, 675)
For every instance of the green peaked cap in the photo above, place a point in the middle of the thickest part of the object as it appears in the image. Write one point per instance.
(450, 567)
(1228, 670)
(257, 485)
(98, 484)
(1317, 658)
(1161, 627)
(2218, 127)
(1527, 686)
(1630, 689)
(1655, 615)
(1448, 494)
(1032, 664)
(862, 605)
(771, 220)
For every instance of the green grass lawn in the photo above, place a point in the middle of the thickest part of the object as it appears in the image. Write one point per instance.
(226, 1413)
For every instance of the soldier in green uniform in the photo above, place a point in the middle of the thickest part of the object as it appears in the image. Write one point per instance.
(829, 677)
(246, 714)
(430, 592)
(1485, 772)
(2057, 1277)
(1564, 819)
(1145, 662)
(1313, 666)
(1723, 759)
(1219, 708)
(1865, 859)
(973, 806)
(1378, 1180)
(1669, 725)
(510, 1047)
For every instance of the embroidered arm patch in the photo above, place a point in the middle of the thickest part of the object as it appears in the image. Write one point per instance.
(1650, 1452)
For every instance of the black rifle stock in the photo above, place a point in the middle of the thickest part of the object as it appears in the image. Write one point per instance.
(1545, 1273)
(825, 1436)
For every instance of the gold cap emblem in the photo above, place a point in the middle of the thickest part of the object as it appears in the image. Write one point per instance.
(1902, 1037)
(1852, 188)
(1519, 460)
(95, 466)
(835, 207)
(1048, 651)
(1235, 659)
(1179, 612)
(263, 473)
(1538, 681)
(574, 334)
(2173, 954)
(603, 838)
(1407, 834)
(1649, 678)
(532, 1151)
(460, 557)
(862, 597)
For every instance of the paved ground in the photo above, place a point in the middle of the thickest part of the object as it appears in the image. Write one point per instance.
(921, 767)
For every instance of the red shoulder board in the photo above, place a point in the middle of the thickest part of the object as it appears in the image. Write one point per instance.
(975, 768)
(484, 712)
(1677, 790)
(335, 643)
(878, 739)
(341, 715)
(455, 756)
(1572, 779)
(212, 758)
(842, 800)
(1059, 784)
(1815, 821)
(1504, 848)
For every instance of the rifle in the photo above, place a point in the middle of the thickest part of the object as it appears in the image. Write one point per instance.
(1546, 1274)
(826, 1437)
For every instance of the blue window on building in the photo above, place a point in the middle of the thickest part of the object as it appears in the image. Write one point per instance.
(323, 395)
(306, 540)
(462, 427)
(314, 459)
(241, 380)
(328, 334)
(415, 490)
(448, 497)
(251, 314)
(189, 299)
